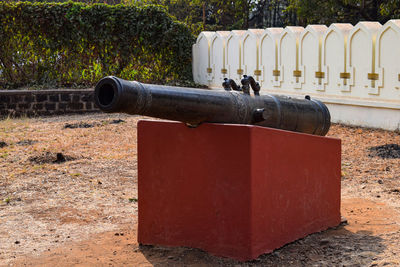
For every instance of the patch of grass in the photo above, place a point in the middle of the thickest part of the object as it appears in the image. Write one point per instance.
(39, 167)
(9, 125)
(133, 200)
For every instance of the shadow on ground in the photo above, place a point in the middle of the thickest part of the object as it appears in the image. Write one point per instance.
(333, 247)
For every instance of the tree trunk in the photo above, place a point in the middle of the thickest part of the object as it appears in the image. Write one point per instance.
(204, 15)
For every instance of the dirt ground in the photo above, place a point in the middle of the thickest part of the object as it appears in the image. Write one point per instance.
(68, 197)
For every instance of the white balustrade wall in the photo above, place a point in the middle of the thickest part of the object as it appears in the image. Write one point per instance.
(234, 55)
(354, 70)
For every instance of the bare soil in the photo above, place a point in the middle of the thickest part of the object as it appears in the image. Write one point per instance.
(68, 197)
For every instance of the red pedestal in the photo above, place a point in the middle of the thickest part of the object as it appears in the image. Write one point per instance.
(234, 190)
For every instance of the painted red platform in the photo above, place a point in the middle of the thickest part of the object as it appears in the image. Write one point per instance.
(234, 190)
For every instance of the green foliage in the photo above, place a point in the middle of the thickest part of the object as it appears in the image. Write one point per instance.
(206, 15)
(350, 11)
(226, 15)
(7, 200)
(133, 200)
(69, 44)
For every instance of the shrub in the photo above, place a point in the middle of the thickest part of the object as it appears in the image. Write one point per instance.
(67, 44)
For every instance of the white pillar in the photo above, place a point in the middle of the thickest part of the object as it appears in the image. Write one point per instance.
(250, 53)
(310, 58)
(204, 70)
(361, 59)
(291, 77)
(334, 59)
(269, 57)
(218, 61)
(387, 60)
(234, 55)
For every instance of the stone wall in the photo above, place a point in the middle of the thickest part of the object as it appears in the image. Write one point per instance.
(16, 103)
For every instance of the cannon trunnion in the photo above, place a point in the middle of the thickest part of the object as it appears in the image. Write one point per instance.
(194, 106)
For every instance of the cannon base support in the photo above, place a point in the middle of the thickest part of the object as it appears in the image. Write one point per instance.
(236, 191)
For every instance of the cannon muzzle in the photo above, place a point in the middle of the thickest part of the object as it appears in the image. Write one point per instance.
(194, 106)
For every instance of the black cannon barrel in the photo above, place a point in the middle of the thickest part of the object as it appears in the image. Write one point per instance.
(194, 106)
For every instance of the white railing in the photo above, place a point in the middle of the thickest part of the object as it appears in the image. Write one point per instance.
(355, 70)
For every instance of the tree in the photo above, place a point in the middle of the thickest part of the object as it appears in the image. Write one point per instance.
(272, 13)
(227, 15)
(207, 15)
(352, 11)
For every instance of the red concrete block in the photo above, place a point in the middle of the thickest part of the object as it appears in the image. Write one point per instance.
(234, 190)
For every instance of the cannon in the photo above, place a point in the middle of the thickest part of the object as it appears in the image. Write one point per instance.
(195, 106)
